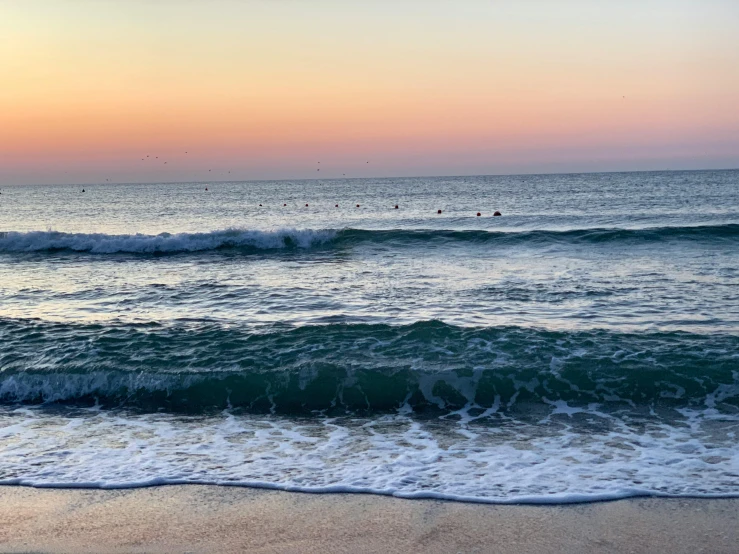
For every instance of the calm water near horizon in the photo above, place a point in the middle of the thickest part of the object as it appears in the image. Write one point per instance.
(583, 346)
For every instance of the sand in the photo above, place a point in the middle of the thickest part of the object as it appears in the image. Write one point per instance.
(228, 519)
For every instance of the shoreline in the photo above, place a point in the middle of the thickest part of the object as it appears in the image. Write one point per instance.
(211, 518)
(341, 490)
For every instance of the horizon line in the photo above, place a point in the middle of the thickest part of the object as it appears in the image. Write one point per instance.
(282, 180)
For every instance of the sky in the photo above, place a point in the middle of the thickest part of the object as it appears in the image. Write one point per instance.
(96, 90)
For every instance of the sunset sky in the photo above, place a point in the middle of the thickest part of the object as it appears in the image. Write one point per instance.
(267, 89)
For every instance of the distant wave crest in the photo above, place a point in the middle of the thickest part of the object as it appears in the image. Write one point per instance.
(164, 243)
(250, 240)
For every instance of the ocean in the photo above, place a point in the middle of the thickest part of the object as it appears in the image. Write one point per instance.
(310, 336)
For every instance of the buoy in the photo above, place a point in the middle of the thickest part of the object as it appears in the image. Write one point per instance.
(438, 211)
(206, 188)
(478, 214)
(260, 205)
(83, 190)
(336, 206)
(357, 205)
(306, 205)
(497, 213)
(396, 206)
(284, 204)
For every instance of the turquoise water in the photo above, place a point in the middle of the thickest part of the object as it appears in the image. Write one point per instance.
(584, 345)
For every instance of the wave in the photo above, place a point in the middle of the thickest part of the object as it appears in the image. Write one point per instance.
(426, 366)
(164, 243)
(255, 240)
(592, 236)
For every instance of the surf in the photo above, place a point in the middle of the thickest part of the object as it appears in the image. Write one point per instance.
(428, 366)
(252, 240)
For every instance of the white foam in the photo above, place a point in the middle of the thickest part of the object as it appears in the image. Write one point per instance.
(497, 461)
(101, 243)
(60, 387)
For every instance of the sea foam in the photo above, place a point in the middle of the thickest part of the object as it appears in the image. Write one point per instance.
(566, 459)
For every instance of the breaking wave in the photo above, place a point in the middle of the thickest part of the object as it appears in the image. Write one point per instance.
(426, 366)
(164, 243)
(255, 240)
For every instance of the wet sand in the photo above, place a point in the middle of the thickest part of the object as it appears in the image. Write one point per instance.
(229, 519)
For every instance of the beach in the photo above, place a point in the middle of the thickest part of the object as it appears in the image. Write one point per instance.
(199, 518)
(359, 277)
(252, 369)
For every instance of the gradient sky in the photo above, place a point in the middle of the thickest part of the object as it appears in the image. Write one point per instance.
(267, 89)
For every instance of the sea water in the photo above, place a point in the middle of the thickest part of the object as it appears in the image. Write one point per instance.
(582, 346)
